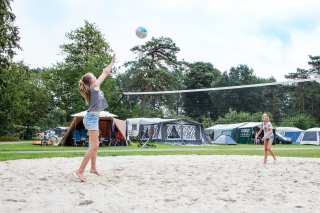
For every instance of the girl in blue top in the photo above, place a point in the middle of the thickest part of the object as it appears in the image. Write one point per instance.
(89, 87)
(268, 136)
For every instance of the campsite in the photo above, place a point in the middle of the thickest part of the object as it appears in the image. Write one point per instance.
(162, 106)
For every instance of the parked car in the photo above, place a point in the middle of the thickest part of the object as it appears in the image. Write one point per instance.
(280, 139)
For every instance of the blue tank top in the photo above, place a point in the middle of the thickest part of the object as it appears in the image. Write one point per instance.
(97, 100)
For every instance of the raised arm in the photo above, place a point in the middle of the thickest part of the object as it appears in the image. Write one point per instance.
(106, 71)
(259, 132)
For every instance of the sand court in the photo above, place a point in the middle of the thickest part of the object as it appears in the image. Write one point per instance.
(192, 183)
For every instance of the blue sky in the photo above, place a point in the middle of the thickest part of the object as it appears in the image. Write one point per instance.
(273, 37)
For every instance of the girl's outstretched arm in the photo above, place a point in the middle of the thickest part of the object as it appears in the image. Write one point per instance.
(106, 71)
(257, 134)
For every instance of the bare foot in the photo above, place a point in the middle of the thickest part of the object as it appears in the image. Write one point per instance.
(80, 176)
(95, 172)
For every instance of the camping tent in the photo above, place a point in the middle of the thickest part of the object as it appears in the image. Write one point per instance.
(110, 128)
(290, 132)
(311, 136)
(246, 133)
(133, 125)
(175, 131)
(222, 129)
(224, 139)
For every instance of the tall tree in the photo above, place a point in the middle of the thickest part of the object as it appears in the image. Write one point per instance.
(9, 34)
(200, 75)
(247, 99)
(305, 97)
(86, 51)
(154, 68)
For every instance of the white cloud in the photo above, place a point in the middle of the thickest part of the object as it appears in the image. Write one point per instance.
(225, 33)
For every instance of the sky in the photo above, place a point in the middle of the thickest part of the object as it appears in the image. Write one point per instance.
(273, 37)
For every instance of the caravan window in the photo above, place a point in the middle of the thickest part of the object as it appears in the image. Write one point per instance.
(310, 136)
(134, 127)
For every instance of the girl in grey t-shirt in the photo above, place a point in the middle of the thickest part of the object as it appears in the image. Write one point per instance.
(268, 136)
(89, 87)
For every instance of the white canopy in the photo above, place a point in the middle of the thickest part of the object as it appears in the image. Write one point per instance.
(146, 120)
(252, 125)
(288, 129)
(316, 129)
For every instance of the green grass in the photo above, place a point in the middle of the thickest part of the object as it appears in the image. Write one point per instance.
(28, 151)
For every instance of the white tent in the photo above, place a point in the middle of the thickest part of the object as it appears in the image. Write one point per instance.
(133, 125)
(224, 139)
(311, 136)
(290, 132)
(222, 129)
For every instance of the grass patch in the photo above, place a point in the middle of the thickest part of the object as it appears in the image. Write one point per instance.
(29, 151)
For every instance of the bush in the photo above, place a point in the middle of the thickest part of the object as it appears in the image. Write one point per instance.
(302, 121)
(238, 117)
(9, 138)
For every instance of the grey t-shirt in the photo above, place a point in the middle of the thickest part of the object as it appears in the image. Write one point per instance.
(266, 128)
(97, 100)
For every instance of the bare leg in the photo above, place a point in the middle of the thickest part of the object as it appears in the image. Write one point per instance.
(93, 162)
(270, 151)
(265, 144)
(93, 138)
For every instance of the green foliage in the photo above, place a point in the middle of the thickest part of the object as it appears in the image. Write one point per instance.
(199, 75)
(35, 99)
(155, 68)
(302, 121)
(85, 51)
(24, 100)
(246, 99)
(9, 34)
(207, 122)
(305, 97)
(238, 117)
(9, 138)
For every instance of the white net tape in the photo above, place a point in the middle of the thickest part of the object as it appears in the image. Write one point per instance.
(284, 83)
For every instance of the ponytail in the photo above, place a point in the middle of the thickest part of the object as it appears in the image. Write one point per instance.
(84, 87)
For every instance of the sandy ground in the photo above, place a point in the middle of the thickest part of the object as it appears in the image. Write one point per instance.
(162, 184)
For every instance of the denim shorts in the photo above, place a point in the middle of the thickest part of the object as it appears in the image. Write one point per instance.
(91, 121)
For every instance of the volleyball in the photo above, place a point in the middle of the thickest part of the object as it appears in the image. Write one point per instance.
(141, 32)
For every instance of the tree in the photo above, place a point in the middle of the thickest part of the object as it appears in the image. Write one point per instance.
(305, 97)
(246, 99)
(85, 51)
(238, 117)
(9, 34)
(199, 75)
(25, 101)
(155, 68)
(302, 121)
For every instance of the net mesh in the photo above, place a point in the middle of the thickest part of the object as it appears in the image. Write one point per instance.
(289, 103)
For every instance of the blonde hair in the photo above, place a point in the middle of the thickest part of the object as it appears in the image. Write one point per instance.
(84, 86)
